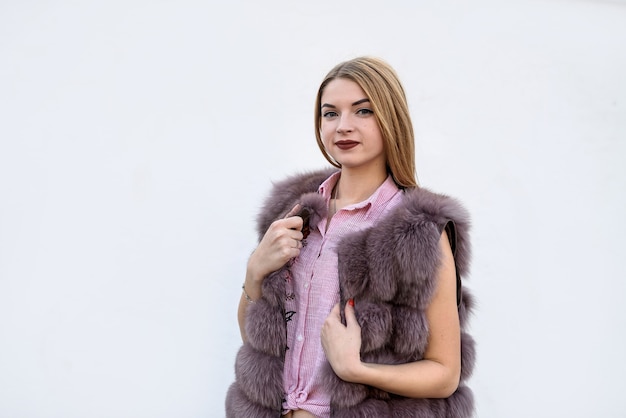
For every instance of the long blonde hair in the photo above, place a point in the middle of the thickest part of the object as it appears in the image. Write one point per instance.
(383, 88)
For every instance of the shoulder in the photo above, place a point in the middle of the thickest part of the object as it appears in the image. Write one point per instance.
(436, 212)
(420, 218)
(424, 205)
(416, 226)
(404, 248)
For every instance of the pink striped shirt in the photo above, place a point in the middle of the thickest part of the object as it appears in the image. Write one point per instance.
(314, 290)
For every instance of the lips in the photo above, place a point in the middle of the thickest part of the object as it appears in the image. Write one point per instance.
(344, 145)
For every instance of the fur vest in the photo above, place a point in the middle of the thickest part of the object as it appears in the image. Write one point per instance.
(390, 271)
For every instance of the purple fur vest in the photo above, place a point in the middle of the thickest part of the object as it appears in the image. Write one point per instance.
(390, 271)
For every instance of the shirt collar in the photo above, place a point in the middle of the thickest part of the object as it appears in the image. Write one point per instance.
(381, 195)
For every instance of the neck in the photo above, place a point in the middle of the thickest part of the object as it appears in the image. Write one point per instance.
(353, 186)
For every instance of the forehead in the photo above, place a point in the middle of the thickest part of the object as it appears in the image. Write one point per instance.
(342, 89)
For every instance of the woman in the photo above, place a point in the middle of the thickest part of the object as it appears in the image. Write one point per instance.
(354, 308)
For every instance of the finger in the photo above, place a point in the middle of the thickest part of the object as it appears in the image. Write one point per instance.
(293, 223)
(349, 312)
(299, 215)
(331, 319)
(285, 227)
(292, 239)
(335, 312)
(293, 211)
(296, 234)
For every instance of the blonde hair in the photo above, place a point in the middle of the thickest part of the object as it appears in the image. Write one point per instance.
(383, 88)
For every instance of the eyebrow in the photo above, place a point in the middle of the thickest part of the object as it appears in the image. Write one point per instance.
(358, 102)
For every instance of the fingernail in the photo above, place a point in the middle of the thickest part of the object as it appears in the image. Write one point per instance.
(351, 302)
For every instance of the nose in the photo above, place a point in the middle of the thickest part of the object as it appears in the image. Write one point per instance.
(344, 125)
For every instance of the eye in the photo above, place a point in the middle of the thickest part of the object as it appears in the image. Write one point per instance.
(364, 112)
(329, 114)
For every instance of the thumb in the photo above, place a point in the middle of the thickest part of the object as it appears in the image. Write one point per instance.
(293, 211)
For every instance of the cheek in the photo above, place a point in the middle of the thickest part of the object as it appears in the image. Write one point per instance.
(326, 132)
(376, 134)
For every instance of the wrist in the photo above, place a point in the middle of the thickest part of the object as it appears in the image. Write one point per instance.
(353, 372)
(251, 286)
(356, 372)
(254, 279)
(254, 273)
(246, 295)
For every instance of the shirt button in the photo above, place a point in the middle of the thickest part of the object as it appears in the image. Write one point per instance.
(300, 338)
(306, 285)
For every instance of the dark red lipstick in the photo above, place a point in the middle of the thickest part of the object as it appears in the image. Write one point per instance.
(344, 145)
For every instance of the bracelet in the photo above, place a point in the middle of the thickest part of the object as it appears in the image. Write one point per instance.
(248, 298)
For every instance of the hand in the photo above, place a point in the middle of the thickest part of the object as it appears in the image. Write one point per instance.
(282, 241)
(342, 343)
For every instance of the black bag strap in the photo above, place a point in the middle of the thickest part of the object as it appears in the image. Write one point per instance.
(450, 229)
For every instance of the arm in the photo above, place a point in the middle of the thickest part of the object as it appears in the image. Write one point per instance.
(281, 242)
(436, 376)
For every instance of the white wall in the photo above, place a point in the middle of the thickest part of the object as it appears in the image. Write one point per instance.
(137, 139)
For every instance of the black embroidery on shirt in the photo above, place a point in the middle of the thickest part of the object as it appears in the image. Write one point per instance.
(289, 315)
(290, 296)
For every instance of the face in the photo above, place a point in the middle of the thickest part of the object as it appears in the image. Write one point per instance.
(349, 129)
